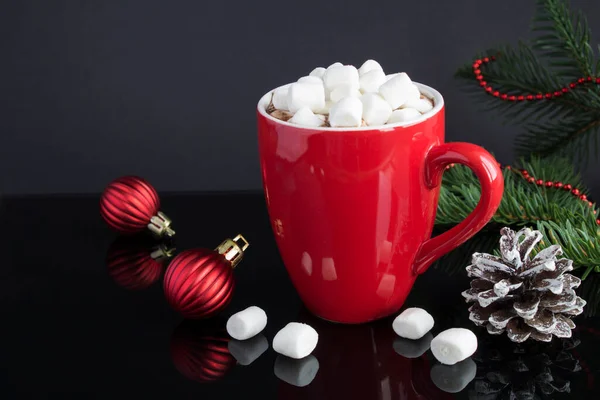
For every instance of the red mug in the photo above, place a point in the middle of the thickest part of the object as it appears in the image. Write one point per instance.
(353, 209)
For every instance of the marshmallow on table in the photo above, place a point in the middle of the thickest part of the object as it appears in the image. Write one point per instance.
(453, 378)
(413, 323)
(376, 111)
(299, 373)
(295, 340)
(246, 323)
(247, 351)
(311, 79)
(306, 117)
(346, 74)
(318, 72)
(454, 345)
(302, 94)
(368, 66)
(372, 80)
(397, 90)
(412, 348)
(346, 113)
(403, 115)
(341, 91)
(280, 97)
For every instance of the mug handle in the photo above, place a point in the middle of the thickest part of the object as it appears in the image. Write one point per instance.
(490, 177)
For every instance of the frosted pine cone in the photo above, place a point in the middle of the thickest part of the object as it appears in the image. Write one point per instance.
(526, 297)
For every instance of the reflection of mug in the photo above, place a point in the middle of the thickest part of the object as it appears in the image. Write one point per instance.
(353, 208)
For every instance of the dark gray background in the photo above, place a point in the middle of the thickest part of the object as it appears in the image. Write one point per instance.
(91, 90)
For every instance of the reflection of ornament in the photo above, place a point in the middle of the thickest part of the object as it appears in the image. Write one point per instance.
(199, 283)
(199, 350)
(530, 370)
(136, 262)
(130, 204)
(526, 296)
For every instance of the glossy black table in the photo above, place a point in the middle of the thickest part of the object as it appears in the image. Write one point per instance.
(74, 328)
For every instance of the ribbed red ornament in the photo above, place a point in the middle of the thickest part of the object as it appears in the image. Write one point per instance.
(199, 351)
(130, 204)
(135, 262)
(199, 283)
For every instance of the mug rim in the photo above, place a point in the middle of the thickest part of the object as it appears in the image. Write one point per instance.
(438, 105)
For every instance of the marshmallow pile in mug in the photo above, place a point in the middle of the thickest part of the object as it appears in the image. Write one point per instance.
(343, 96)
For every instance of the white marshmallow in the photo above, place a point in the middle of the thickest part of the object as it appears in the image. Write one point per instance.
(311, 79)
(390, 76)
(397, 90)
(303, 94)
(412, 348)
(342, 91)
(335, 64)
(453, 378)
(368, 66)
(305, 117)
(325, 109)
(295, 340)
(246, 323)
(454, 345)
(413, 323)
(421, 105)
(336, 76)
(371, 81)
(247, 351)
(296, 372)
(318, 72)
(346, 112)
(280, 98)
(403, 115)
(376, 111)
(413, 93)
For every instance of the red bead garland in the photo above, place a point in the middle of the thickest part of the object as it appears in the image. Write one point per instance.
(479, 63)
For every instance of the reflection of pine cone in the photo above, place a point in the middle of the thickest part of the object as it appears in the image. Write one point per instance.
(527, 297)
(529, 370)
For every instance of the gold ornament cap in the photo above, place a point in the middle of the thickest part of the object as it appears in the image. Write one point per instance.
(233, 249)
(160, 225)
(162, 251)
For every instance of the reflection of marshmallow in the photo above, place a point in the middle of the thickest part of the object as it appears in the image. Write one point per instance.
(368, 66)
(386, 286)
(453, 378)
(296, 372)
(347, 112)
(454, 345)
(295, 340)
(247, 351)
(413, 348)
(306, 260)
(302, 94)
(397, 90)
(413, 323)
(247, 323)
(328, 269)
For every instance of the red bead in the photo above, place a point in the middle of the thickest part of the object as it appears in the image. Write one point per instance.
(567, 187)
(575, 192)
(558, 185)
(512, 98)
(529, 97)
(504, 96)
(475, 66)
(548, 95)
(589, 78)
(595, 212)
(565, 90)
(496, 93)
(486, 60)
(549, 184)
(524, 172)
(598, 221)
(557, 94)
(580, 80)
(521, 98)
(539, 96)
(597, 80)
(583, 197)
(479, 77)
(572, 85)
(531, 179)
(482, 83)
(539, 182)
(489, 89)
(508, 167)
(493, 58)
(477, 72)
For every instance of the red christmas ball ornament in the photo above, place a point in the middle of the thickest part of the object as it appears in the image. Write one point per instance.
(136, 262)
(199, 282)
(199, 350)
(130, 204)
